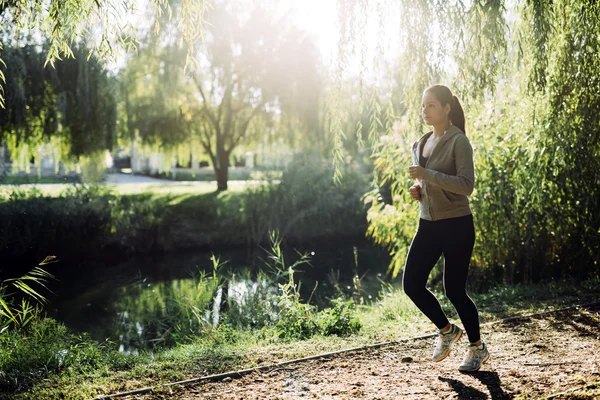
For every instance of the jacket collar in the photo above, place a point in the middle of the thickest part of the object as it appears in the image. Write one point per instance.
(449, 133)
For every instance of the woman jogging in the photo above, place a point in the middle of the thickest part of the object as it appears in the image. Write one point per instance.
(443, 168)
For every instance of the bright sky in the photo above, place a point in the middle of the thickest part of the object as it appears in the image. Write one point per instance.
(320, 17)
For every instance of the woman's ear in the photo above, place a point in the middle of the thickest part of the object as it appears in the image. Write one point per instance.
(447, 109)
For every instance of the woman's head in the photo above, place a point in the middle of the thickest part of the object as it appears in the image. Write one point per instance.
(440, 106)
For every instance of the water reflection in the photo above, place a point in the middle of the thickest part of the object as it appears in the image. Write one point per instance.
(163, 313)
(158, 302)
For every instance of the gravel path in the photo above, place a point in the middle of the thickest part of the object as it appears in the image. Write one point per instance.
(532, 358)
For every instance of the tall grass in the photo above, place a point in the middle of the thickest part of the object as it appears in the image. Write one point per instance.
(163, 314)
(18, 312)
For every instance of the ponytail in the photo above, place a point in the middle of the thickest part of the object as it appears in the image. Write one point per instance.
(457, 115)
(445, 96)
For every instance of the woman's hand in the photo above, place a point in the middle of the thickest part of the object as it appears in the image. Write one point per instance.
(416, 172)
(415, 191)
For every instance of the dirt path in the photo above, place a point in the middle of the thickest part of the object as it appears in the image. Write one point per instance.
(532, 358)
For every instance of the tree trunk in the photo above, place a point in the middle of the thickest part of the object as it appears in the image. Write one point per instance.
(223, 171)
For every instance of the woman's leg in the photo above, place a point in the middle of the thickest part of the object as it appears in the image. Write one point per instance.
(424, 252)
(457, 245)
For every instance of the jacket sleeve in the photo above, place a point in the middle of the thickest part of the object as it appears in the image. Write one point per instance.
(463, 181)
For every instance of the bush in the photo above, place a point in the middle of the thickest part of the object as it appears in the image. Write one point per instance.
(301, 321)
(306, 204)
(75, 225)
(45, 347)
(341, 320)
(37, 226)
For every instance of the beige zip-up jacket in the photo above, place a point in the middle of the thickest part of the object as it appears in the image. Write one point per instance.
(449, 176)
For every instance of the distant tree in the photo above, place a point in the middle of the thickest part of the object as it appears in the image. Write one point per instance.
(246, 78)
(63, 23)
(71, 106)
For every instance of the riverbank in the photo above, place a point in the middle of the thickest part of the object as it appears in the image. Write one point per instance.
(110, 224)
(390, 317)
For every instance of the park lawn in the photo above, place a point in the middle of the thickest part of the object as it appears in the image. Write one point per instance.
(235, 174)
(56, 189)
(392, 316)
(32, 180)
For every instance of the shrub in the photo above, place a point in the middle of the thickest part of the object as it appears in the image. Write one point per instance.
(45, 347)
(340, 320)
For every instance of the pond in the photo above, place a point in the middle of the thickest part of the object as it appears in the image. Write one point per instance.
(145, 301)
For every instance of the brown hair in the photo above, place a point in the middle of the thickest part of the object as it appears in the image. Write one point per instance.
(445, 96)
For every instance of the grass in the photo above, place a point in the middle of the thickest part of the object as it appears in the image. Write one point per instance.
(391, 316)
(56, 189)
(32, 180)
(234, 174)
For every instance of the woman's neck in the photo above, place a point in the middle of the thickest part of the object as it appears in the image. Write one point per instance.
(438, 130)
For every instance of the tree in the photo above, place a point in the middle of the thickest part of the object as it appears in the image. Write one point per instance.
(71, 107)
(527, 77)
(63, 23)
(105, 29)
(245, 79)
(251, 72)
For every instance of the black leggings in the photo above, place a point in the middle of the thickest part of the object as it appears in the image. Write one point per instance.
(453, 237)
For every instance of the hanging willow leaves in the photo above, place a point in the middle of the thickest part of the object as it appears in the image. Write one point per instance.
(71, 109)
(528, 79)
(434, 36)
(107, 27)
(75, 115)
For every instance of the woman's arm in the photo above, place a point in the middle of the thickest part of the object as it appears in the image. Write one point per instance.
(463, 181)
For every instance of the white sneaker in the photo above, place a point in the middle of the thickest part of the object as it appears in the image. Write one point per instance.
(445, 341)
(474, 357)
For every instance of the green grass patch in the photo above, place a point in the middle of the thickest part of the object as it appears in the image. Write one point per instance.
(32, 180)
(59, 188)
(234, 174)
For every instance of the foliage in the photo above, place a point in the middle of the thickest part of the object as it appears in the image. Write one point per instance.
(89, 221)
(77, 224)
(62, 113)
(107, 26)
(72, 223)
(532, 177)
(523, 75)
(298, 320)
(340, 320)
(239, 95)
(306, 203)
(45, 348)
(20, 315)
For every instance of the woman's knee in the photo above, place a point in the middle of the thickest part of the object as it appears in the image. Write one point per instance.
(456, 295)
(413, 289)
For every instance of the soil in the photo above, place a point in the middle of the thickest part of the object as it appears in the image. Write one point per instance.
(553, 356)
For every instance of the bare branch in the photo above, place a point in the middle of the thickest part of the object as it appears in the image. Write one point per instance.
(207, 111)
(206, 144)
(236, 140)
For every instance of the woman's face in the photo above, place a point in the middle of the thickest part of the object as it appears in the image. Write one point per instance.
(432, 110)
